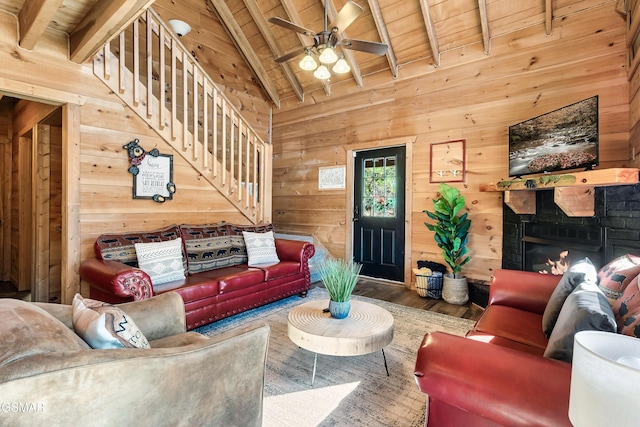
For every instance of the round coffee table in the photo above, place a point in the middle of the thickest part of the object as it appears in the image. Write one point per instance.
(368, 328)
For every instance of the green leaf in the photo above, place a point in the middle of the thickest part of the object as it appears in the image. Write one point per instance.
(451, 227)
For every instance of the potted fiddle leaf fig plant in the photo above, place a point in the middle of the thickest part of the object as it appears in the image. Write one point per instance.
(451, 230)
(339, 278)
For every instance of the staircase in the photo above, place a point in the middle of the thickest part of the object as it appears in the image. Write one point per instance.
(156, 76)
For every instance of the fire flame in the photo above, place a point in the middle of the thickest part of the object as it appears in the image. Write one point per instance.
(558, 267)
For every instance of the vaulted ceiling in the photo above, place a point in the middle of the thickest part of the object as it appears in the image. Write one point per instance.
(418, 32)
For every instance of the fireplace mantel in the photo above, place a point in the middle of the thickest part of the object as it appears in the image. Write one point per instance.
(573, 192)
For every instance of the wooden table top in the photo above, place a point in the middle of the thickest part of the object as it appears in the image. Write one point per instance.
(368, 328)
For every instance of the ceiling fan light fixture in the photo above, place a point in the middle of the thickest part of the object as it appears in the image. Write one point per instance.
(308, 63)
(341, 67)
(328, 56)
(322, 73)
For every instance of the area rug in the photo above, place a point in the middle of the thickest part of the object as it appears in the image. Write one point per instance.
(348, 391)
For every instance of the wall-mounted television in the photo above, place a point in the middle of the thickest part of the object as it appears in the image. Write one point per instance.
(566, 138)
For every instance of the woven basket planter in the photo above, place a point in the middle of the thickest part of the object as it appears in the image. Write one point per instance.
(429, 286)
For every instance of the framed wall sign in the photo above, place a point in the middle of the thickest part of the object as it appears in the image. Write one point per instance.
(447, 162)
(332, 178)
(152, 173)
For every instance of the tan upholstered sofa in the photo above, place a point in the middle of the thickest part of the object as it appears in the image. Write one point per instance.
(49, 376)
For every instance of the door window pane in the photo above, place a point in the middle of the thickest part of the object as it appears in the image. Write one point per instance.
(379, 187)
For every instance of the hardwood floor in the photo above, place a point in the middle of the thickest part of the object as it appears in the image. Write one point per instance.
(398, 294)
(8, 291)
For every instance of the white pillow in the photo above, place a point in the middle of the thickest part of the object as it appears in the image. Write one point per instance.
(103, 325)
(261, 248)
(162, 261)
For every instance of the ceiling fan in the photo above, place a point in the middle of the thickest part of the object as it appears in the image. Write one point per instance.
(326, 41)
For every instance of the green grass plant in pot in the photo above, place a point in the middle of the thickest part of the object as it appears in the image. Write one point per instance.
(339, 278)
(451, 230)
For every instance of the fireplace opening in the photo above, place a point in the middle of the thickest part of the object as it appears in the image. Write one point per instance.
(553, 257)
(553, 248)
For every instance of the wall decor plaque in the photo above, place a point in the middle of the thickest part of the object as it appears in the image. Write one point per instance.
(152, 173)
(447, 161)
(332, 178)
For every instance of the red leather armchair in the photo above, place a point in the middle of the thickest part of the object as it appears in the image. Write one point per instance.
(496, 375)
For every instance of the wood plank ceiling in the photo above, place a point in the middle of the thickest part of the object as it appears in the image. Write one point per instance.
(416, 31)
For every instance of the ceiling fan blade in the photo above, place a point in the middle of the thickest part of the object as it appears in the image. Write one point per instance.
(290, 55)
(364, 46)
(346, 16)
(291, 26)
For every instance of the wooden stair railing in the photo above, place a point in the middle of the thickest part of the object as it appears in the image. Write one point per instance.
(155, 75)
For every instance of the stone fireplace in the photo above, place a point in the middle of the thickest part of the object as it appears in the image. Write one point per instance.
(549, 240)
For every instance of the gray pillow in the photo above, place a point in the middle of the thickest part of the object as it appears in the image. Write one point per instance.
(585, 309)
(581, 271)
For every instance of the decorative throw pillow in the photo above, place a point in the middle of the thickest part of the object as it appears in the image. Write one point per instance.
(211, 246)
(103, 325)
(120, 246)
(614, 277)
(627, 310)
(585, 309)
(582, 271)
(261, 248)
(162, 261)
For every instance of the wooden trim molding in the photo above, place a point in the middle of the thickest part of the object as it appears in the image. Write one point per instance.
(70, 245)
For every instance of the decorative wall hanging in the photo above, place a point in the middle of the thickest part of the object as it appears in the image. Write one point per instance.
(152, 173)
(447, 161)
(332, 178)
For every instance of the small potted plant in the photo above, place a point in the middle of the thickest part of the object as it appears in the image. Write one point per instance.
(451, 230)
(339, 277)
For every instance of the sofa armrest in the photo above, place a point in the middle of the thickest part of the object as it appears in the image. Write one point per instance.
(524, 290)
(159, 316)
(294, 250)
(500, 384)
(115, 282)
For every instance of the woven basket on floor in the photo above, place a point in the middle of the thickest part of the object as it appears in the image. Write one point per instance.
(429, 286)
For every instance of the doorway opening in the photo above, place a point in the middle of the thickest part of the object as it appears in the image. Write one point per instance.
(31, 198)
(379, 212)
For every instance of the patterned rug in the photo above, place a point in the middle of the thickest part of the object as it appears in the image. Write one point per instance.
(348, 391)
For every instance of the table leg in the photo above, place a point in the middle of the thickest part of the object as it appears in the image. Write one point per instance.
(385, 362)
(315, 363)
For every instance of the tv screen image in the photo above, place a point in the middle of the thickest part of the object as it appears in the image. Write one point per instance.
(566, 138)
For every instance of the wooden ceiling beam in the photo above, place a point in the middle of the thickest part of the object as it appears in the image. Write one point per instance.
(349, 56)
(34, 19)
(266, 32)
(384, 36)
(484, 24)
(548, 12)
(242, 43)
(294, 17)
(431, 32)
(104, 21)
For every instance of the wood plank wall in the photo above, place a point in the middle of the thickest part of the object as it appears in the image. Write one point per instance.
(525, 74)
(105, 185)
(633, 38)
(6, 130)
(209, 43)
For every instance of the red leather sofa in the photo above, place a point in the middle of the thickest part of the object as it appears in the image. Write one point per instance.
(497, 375)
(218, 281)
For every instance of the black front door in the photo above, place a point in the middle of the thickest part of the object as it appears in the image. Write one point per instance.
(378, 217)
